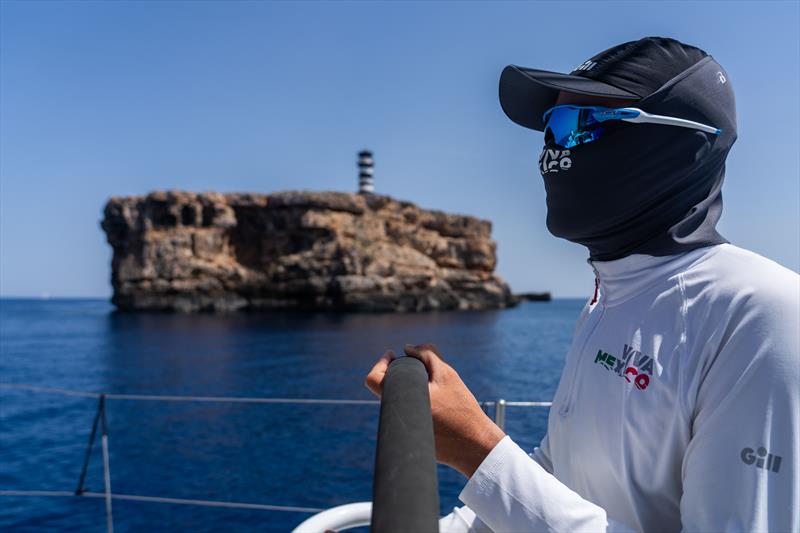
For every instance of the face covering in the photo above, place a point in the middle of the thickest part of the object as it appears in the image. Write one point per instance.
(647, 188)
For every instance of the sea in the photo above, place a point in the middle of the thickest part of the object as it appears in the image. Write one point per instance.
(314, 456)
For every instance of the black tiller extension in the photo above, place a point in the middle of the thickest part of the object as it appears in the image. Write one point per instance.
(405, 492)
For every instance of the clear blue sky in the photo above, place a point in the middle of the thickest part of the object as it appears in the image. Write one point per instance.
(115, 98)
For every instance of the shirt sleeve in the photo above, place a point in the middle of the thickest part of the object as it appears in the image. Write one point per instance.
(462, 520)
(510, 491)
(541, 454)
(740, 470)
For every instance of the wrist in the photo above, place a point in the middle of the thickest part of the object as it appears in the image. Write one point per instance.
(483, 442)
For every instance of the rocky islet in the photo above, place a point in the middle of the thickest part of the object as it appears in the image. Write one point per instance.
(195, 252)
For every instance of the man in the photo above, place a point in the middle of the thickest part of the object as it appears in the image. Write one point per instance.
(679, 404)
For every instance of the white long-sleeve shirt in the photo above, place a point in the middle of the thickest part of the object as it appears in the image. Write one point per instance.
(678, 408)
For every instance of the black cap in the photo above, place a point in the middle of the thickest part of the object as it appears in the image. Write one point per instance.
(631, 70)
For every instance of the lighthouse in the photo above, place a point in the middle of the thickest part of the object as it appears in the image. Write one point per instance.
(366, 184)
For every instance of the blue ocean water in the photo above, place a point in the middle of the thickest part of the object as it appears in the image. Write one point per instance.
(303, 455)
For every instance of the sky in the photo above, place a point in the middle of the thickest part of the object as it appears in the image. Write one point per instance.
(101, 99)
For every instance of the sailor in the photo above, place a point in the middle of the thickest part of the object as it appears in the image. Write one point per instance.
(679, 403)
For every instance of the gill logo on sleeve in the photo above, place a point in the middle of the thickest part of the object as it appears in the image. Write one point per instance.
(762, 459)
(634, 366)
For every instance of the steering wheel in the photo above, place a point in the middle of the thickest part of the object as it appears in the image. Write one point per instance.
(338, 518)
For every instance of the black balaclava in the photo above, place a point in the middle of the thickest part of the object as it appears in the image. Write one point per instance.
(647, 188)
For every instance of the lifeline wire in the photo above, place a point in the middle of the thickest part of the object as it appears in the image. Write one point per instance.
(158, 499)
(172, 398)
(220, 399)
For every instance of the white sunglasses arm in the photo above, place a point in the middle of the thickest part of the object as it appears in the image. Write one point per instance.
(644, 117)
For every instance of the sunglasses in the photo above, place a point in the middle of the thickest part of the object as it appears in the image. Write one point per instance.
(571, 125)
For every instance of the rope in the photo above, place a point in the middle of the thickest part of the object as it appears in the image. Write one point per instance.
(157, 499)
(220, 399)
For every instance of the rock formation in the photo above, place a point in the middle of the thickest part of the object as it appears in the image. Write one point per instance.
(181, 251)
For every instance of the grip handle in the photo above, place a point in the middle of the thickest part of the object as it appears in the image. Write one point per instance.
(405, 491)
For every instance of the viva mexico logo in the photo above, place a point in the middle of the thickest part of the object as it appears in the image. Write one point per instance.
(551, 160)
(634, 366)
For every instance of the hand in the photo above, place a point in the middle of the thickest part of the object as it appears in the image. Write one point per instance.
(464, 434)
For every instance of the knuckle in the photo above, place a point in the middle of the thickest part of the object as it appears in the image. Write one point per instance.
(449, 372)
(430, 347)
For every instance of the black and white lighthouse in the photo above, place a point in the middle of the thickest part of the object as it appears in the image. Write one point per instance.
(366, 184)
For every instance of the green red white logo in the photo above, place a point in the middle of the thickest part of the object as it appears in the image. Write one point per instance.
(634, 366)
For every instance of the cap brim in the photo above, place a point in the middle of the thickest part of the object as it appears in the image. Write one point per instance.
(526, 93)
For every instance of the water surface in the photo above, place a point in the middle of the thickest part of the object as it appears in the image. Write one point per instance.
(314, 456)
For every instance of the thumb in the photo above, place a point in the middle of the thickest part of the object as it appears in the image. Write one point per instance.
(374, 381)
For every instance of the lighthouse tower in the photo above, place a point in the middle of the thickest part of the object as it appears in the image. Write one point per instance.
(366, 184)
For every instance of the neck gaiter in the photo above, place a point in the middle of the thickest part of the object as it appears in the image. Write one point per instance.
(647, 188)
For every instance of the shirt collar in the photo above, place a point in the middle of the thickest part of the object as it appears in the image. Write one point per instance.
(624, 278)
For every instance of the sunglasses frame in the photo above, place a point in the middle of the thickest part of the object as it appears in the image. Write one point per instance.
(635, 115)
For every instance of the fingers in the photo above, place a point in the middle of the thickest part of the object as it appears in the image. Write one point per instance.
(374, 381)
(429, 355)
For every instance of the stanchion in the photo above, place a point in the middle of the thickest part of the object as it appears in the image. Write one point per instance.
(106, 466)
(500, 414)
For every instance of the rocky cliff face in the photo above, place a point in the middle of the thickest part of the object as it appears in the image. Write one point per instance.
(181, 251)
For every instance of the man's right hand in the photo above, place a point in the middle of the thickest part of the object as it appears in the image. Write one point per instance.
(464, 434)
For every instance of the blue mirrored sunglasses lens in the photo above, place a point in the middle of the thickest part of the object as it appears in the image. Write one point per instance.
(562, 121)
(571, 126)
